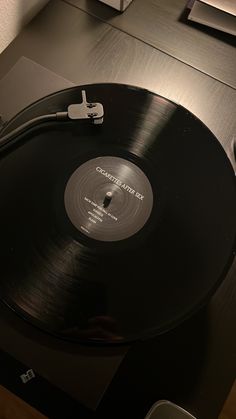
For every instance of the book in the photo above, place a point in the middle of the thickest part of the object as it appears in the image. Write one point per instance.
(218, 14)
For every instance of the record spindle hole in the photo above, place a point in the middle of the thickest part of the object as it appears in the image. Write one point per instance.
(107, 199)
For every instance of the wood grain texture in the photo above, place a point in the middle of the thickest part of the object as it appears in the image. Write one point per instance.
(11, 407)
(84, 50)
(164, 25)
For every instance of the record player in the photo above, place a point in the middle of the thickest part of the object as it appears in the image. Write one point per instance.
(117, 226)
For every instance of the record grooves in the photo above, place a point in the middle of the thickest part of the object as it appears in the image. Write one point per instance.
(114, 232)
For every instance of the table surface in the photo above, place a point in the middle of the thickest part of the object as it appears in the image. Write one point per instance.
(13, 407)
(149, 46)
(164, 25)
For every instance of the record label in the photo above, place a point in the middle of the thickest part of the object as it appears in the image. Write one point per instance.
(108, 198)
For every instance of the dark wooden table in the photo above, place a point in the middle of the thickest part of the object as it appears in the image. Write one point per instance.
(164, 25)
(153, 46)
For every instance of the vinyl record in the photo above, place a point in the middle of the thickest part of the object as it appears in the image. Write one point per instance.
(115, 232)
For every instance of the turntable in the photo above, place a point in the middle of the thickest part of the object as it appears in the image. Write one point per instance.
(117, 223)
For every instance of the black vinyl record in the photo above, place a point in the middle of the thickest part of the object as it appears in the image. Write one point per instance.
(115, 232)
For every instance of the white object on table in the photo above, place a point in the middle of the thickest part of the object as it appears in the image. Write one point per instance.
(120, 5)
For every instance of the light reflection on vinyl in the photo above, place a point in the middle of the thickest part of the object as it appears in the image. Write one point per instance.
(116, 232)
